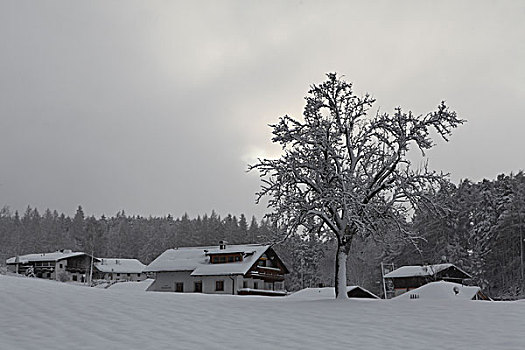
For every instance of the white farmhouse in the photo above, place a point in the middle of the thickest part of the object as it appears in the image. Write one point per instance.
(237, 269)
(116, 269)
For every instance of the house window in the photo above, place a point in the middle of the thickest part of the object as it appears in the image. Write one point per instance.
(118, 274)
(74, 277)
(198, 287)
(255, 285)
(129, 274)
(60, 265)
(138, 274)
(179, 287)
(237, 258)
(219, 286)
(230, 258)
(245, 284)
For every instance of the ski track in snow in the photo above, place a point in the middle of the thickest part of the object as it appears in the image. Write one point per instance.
(41, 314)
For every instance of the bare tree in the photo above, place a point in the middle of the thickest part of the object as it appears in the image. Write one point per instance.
(344, 173)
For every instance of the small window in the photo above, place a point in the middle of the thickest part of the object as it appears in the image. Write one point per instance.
(60, 265)
(118, 274)
(245, 284)
(74, 277)
(255, 285)
(138, 274)
(219, 286)
(230, 259)
(198, 287)
(237, 258)
(129, 274)
(179, 287)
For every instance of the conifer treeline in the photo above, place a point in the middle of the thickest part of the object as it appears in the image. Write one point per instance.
(145, 238)
(480, 228)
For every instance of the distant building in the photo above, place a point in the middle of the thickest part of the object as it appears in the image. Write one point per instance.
(63, 265)
(116, 269)
(251, 269)
(407, 278)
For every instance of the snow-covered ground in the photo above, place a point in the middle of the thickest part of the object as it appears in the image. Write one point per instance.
(41, 314)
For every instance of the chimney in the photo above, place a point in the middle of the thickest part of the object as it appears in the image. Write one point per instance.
(222, 245)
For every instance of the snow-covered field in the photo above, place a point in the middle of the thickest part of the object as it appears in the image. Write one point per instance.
(41, 314)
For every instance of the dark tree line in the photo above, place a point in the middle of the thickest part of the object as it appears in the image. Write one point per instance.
(145, 238)
(480, 227)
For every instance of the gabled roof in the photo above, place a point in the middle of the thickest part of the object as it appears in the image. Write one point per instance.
(195, 259)
(443, 290)
(55, 256)
(421, 271)
(118, 265)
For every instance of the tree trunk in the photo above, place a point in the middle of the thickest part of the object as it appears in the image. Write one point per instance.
(340, 272)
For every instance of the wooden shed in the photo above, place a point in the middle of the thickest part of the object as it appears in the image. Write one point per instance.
(407, 278)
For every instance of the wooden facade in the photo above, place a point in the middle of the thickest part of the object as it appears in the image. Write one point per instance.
(399, 282)
(61, 266)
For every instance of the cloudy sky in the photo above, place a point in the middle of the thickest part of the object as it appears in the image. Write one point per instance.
(157, 107)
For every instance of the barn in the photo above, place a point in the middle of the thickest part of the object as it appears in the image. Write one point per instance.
(406, 278)
(62, 265)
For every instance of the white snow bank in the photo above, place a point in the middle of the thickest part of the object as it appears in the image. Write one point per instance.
(42, 314)
(321, 293)
(132, 286)
(442, 290)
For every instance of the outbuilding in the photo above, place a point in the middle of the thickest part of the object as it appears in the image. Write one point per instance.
(407, 278)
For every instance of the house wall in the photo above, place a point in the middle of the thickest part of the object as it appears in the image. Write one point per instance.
(113, 276)
(261, 284)
(60, 268)
(165, 282)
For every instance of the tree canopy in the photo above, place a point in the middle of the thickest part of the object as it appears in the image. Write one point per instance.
(344, 171)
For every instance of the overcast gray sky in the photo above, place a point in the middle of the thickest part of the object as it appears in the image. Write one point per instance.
(157, 107)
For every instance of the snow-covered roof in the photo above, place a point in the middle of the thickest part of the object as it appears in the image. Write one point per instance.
(324, 293)
(120, 265)
(55, 256)
(427, 270)
(442, 290)
(227, 250)
(195, 259)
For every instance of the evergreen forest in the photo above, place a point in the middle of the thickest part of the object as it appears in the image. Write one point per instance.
(480, 227)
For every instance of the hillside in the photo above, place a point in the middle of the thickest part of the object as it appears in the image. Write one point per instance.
(42, 314)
